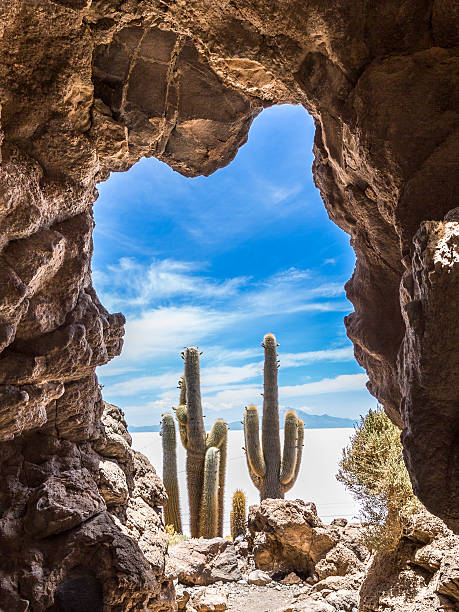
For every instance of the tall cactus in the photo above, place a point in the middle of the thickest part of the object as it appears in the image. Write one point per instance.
(172, 508)
(272, 475)
(206, 455)
(237, 515)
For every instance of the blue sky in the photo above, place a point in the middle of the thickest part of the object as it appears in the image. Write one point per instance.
(218, 262)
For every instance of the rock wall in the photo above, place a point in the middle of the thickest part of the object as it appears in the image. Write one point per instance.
(90, 86)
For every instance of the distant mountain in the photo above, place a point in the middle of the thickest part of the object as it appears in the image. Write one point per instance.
(134, 429)
(311, 421)
(324, 421)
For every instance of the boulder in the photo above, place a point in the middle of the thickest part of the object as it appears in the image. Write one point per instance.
(291, 578)
(203, 562)
(259, 578)
(339, 561)
(344, 600)
(288, 536)
(209, 599)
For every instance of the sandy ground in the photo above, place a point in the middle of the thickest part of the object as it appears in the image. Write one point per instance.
(316, 481)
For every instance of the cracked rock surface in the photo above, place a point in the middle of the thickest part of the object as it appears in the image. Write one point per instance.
(90, 86)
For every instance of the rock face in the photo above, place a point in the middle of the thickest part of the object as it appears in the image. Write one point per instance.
(81, 527)
(90, 86)
(420, 575)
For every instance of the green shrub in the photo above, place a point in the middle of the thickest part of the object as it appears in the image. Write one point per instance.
(372, 468)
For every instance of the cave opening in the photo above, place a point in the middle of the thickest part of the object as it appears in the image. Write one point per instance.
(217, 262)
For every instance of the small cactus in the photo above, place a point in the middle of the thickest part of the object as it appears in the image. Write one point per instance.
(172, 508)
(237, 515)
(272, 475)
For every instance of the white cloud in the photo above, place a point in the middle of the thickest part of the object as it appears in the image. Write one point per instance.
(340, 384)
(239, 396)
(292, 291)
(130, 284)
(133, 386)
(170, 329)
(214, 379)
(291, 360)
(113, 369)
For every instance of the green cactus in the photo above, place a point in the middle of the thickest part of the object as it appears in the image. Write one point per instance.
(272, 475)
(237, 515)
(209, 502)
(172, 508)
(193, 436)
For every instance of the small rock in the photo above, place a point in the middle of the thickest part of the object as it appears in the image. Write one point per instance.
(258, 578)
(312, 579)
(291, 578)
(210, 600)
(344, 600)
(339, 522)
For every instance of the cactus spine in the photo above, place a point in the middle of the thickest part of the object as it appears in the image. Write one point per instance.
(206, 455)
(172, 508)
(237, 515)
(272, 475)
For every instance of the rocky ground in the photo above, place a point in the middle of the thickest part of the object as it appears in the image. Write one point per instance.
(289, 561)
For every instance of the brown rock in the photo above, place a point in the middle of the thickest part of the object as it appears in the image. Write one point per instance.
(420, 575)
(208, 599)
(291, 578)
(287, 536)
(203, 562)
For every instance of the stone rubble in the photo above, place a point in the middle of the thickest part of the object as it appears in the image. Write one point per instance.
(420, 575)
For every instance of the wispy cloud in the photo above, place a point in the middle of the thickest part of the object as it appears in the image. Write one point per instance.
(289, 360)
(340, 384)
(222, 384)
(171, 304)
(131, 284)
(169, 329)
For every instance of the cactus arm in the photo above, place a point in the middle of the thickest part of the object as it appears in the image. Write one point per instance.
(217, 435)
(172, 508)
(254, 478)
(299, 455)
(209, 506)
(255, 459)
(196, 437)
(182, 387)
(181, 415)
(270, 424)
(237, 515)
(221, 483)
(289, 456)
